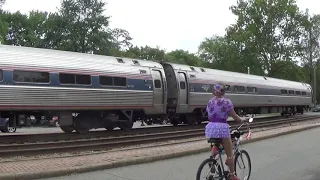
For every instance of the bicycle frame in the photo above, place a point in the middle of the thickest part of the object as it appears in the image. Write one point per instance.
(236, 149)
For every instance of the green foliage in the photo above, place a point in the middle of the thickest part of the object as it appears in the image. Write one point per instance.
(147, 52)
(86, 28)
(183, 57)
(223, 54)
(269, 30)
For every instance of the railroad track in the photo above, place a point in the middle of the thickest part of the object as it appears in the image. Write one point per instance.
(48, 137)
(105, 143)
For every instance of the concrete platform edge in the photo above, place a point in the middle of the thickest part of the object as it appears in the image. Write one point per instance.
(97, 167)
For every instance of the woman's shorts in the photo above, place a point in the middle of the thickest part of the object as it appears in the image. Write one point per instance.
(217, 130)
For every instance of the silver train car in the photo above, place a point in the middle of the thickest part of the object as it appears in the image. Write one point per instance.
(91, 91)
(190, 88)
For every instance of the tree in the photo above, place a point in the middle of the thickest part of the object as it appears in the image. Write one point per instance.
(183, 57)
(121, 38)
(147, 53)
(223, 54)
(55, 32)
(269, 30)
(289, 70)
(86, 28)
(310, 46)
(14, 28)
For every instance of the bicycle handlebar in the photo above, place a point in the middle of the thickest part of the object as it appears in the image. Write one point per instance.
(244, 122)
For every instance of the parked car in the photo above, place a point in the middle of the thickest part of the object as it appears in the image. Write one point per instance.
(316, 109)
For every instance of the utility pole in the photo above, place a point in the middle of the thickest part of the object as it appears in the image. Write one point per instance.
(315, 83)
(311, 64)
(310, 52)
(248, 70)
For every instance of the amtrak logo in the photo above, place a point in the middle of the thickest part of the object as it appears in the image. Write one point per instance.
(205, 87)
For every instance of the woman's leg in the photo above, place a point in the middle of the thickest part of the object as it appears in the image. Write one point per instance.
(227, 144)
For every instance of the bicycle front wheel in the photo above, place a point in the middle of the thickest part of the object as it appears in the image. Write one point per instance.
(242, 163)
(213, 173)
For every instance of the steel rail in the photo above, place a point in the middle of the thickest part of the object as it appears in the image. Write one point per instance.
(106, 143)
(45, 137)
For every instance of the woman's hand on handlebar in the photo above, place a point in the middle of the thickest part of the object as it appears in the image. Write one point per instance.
(245, 119)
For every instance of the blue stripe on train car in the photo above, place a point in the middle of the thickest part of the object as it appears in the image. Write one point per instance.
(132, 84)
(204, 88)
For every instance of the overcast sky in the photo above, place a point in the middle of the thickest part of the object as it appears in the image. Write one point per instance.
(170, 24)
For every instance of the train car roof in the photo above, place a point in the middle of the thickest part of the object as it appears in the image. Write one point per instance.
(256, 78)
(30, 56)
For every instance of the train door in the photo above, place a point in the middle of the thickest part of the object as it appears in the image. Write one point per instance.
(183, 95)
(158, 88)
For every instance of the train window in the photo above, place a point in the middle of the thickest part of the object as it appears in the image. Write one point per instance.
(67, 78)
(202, 70)
(29, 76)
(83, 79)
(304, 93)
(119, 81)
(283, 91)
(40, 77)
(252, 89)
(105, 80)
(192, 68)
(207, 87)
(239, 89)
(298, 92)
(227, 88)
(182, 85)
(291, 92)
(157, 83)
(1, 75)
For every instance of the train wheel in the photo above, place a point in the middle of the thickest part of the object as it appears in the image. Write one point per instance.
(191, 119)
(110, 127)
(199, 121)
(81, 125)
(149, 122)
(125, 126)
(9, 129)
(67, 129)
(80, 129)
(174, 122)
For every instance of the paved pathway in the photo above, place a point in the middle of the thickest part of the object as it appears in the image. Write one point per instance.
(45, 165)
(289, 157)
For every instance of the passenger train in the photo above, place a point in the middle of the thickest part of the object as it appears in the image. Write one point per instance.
(89, 91)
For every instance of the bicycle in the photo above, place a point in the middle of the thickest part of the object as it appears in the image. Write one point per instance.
(216, 165)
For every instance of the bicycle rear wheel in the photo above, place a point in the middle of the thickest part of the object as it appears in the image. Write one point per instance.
(239, 163)
(215, 172)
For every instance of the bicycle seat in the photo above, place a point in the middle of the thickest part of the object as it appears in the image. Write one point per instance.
(215, 140)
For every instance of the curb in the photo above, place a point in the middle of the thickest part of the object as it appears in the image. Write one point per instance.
(141, 160)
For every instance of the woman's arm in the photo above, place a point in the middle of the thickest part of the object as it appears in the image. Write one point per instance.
(235, 116)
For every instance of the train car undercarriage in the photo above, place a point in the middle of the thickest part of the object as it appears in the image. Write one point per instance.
(84, 121)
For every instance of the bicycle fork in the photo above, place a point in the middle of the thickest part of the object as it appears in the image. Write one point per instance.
(244, 166)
